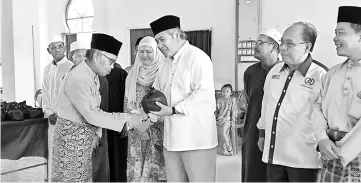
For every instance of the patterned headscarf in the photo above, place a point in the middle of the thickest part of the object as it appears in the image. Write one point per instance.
(144, 75)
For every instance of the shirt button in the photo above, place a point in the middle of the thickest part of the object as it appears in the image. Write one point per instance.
(278, 104)
(348, 78)
(271, 146)
(289, 77)
(275, 118)
(273, 132)
(284, 91)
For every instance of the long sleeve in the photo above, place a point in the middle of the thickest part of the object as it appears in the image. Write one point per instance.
(202, 95)
(318, 120)
(46, 106)
(350, 144)
(80, 94)
(261, 125)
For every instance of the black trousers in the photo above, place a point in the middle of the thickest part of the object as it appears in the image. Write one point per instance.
(118, 151)
(253, 169)
(279, 173)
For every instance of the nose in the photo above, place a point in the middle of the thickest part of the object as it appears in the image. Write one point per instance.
(335, 38)
(283, 47)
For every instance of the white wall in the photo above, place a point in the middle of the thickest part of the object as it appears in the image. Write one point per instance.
(280, 14)
(194, 15)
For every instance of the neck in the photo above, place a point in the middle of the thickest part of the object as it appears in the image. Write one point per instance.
(179, 46)
(57, 60)
(91, 65)
(297, 65)
(356, 57)
(271, 60)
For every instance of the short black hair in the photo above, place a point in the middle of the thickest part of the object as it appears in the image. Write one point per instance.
(356, 27)
(309, 33)
(227, 86)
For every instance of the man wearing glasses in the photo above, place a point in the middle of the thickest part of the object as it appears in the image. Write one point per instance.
(53, 74)
(79, 113)
(338, 112)
(267, 51)
(290, 91)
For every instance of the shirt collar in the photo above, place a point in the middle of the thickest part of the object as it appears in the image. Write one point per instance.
(87, 70)
(303, 68)
(180, 51)
(63, 60)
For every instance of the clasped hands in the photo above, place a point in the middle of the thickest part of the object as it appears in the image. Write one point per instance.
(141, 121)
(329, 150)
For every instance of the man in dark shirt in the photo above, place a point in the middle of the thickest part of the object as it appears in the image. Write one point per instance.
(267, 51)
(117, 144)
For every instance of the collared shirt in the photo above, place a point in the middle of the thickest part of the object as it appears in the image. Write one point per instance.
(187, 82)
(53, 74)
(79, 100)
(286, 114)
(339, 108)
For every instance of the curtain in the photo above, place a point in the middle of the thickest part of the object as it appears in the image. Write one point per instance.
(201, 39)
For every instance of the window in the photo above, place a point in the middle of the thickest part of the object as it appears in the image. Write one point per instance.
(79, 15)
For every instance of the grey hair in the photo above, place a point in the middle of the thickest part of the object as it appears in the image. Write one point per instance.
(356, 27)
(89, 55)
(309, 33)
(181, 33)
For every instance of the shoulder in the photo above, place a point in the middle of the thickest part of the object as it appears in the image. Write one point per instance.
(197, 53)
(252, 68)
(336, 68)
(320, 65)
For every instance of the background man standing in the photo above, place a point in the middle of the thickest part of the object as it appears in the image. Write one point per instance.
(53, 74)
(267, 51)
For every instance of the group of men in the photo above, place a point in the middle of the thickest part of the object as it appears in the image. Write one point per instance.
(72, 89)
(302, 122)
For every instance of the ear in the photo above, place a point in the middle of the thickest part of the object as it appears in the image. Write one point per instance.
(308, 47)
(48, 50)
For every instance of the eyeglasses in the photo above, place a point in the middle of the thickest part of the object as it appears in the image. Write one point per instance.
(260, 42)
(111, 60)
(290, 44)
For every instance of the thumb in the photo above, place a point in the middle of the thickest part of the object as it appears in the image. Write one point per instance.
(159, 104)
(335, 148)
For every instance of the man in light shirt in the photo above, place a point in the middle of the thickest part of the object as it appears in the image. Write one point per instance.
(290, 91)
(79, 113)
(53, 74)
(77, 51)
(337, 113)
(190, 132)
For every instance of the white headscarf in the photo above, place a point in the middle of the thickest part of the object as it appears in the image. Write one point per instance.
(144, 75)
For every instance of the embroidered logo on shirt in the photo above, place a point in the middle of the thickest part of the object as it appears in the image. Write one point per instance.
(275, 76)
(309, 81)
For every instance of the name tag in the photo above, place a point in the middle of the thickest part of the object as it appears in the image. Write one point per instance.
(275, 76)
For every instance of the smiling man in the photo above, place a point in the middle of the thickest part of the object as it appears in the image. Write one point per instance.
(190, 132)
(291, 89)
(338, 112)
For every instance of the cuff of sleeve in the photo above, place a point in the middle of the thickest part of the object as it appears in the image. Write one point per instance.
(179, 109)
(355, 107)
(261, 133)
(320, 136)
(47, 113)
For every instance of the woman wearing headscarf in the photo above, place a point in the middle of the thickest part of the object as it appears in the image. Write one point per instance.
(145, 148)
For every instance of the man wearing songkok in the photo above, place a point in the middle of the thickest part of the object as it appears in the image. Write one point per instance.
(291, 89)
(190, 132)
(53, 74)
(338, 111)
(267, 51)
(79, 115)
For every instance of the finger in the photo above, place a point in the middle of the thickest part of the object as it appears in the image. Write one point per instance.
(159, 104)
(155, 112)
(335, 150)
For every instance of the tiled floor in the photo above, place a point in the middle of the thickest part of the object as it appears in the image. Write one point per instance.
(228, 169)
